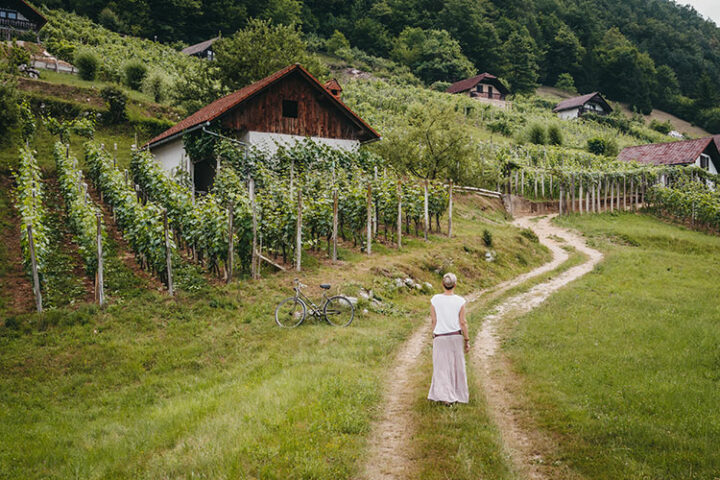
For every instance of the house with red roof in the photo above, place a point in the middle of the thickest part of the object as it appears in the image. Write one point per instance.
(701, 152)
(484, 87)
(281, 109)
(578, 106)
(18, 17)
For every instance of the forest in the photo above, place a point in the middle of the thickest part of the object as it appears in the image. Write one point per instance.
(651, 54)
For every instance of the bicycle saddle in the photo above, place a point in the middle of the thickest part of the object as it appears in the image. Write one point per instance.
(325, 286)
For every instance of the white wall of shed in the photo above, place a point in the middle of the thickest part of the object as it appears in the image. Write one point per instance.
(171, 155)
(270, 142)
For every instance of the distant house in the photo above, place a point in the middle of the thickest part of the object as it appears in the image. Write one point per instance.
(702, 152)
(18, 17)
(484, 87)
(577, 106)
(281, 109)
(201, 50)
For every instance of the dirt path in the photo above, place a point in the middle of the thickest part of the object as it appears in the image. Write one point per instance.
(390, 452)
(525, 447)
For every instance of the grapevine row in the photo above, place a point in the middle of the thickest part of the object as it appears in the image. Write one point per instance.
(141, 224)
(82, 212)
(691, 202)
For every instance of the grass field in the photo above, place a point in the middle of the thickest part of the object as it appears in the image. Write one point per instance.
(621, 367)
(207, 386)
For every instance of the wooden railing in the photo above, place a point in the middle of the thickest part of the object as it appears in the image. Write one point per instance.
(493, 95)
(17, 24)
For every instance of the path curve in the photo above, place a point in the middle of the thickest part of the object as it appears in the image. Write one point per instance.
(390, 452)
(521, 445)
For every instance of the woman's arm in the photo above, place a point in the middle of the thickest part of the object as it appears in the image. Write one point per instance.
(433, 317)
(464, 328)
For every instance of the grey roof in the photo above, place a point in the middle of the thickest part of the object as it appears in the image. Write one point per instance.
(199, 47)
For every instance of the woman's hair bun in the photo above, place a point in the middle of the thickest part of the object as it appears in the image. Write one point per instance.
(449, 280)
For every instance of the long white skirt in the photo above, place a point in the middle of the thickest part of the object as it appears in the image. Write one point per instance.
(449, 380)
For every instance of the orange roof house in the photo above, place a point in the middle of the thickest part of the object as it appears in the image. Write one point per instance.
(285, 107)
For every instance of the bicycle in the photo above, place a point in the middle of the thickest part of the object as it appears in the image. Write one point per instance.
(291, 312)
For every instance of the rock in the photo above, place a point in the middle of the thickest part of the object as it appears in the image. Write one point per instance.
(409, 282)
(417, 286)
(365, 311)
(364, 294)
(428, 285)
(353, 300)
(399, 283)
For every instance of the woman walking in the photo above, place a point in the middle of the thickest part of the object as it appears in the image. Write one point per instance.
(450, 342)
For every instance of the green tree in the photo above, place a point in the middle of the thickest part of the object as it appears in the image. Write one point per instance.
(566, 82)
(87, 63)
(667, 88)
(626, 73)
(9, 110)
(433, 145)
(337, 42)
(284, 12)
(432, 55)
(564, 54)
(521, 66)
(258, 50)
(466, 21)
(707, 93)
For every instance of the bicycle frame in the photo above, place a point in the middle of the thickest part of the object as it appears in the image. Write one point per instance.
(315, 310)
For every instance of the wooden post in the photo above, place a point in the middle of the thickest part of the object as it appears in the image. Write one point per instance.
(552, 192)
(100, 289)
(231, 239)
(587, 201)
(254, 260)
(535, 178)
(560, 204)
(624, 193)
(399, 219)
(292, 175)
(426, 215)
(298, 233)
(581, 198)
(36, 277)
(168, 254)
(450, 209)
(522, 182)
(632, 194)
(612, 196)
(375, 210)
(335, 226)
(617, 191)
(114, 155)
(368, 245)
(542, 184)
(572, 187)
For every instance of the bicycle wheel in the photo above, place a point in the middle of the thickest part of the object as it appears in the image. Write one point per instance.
(339, 311)
(290, 312)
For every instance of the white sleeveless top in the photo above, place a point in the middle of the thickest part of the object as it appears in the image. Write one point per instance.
(447, 311)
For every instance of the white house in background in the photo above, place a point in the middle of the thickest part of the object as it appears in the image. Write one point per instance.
(202, 50)
(577, 106)
(288, 106)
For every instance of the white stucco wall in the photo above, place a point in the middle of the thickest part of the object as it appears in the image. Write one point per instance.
(712, 168)
(171, 155)
(269, 142)
(568, 114)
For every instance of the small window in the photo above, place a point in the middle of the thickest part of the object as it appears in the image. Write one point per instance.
(3, 14)
(704, 161)
(12, 15)
(480, 89)
(290, 108)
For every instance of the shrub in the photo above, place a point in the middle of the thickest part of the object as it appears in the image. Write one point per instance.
(87, 63)
(566, 82)
(337, 41)
(157, 86)
(529, 234)
(602, 146)
(554, 135)
(487, 238)
(536, 134)
(109, 19)
(134, 73)
(15, 55)
(9, 111)
(116, 101)
(502, 125)
(662, 127)
(440, 86)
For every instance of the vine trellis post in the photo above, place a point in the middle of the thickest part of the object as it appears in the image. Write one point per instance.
(33, 265)
(450, 208)
(168, 254)
(298, 233)
(426, 214)
(231, 246)
(335, 226)
(254, 258)
(399, 215)
(368, 246)
(100, 281)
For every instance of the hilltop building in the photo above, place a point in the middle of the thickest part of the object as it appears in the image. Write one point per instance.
(202, 50)
(578, 106)
(17, 17)
(281, 109)
(484, 87)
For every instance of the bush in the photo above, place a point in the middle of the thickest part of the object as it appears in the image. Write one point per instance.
(87, 63)
(109, 19)
(602, 146)
(9, 111)
(554, 135)
(487, 238)
(440, 86)
(116, 101)
(662, 127)
(536, 134)
(530, 235)
(566, 82)
(157, 86)
(337, 41)
(134, 73)
(15, 55)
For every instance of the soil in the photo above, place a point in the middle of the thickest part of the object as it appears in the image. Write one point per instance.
(390, 455)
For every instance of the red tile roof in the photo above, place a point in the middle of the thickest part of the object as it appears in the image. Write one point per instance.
(580, 101)
(468, 83)
(672, 153)
(217, 108)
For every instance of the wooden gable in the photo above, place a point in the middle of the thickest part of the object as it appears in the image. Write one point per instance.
(294, 106)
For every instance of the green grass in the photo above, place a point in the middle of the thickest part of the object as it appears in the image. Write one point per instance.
(76, 81)
(207, 385)
(622, 366)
